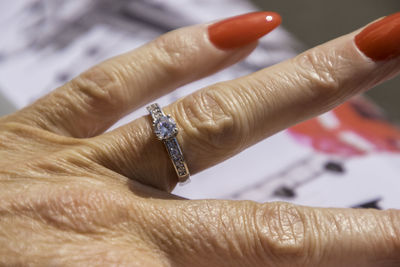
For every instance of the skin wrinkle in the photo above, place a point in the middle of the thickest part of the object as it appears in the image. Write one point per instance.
(221, 128)
(124, 75)
(279, 103)
(307, 71)
(96, 92)
(25, 133)
(134, 187)
(174, 53)
(195, 239)
(347, 230)
(319, 232)
(394, 236)
(64, 212)
(233, 231)
(315, 68)
(40, 120)
(270, 103)
(138, 77)
(25, 136)
(56, 166)
(186, 130)
(57, 225)
(194, 228)
(238, 247)
(242, 101)
(235, 249)
(287, 217)
(333, 228)
(100, 88)
(249, 240)
(207, 118)
(266, 114)
(171, 236)
(357, 227)
(386, 230)
(393, 224)
(260, 230)
(160, 228)
(95, 89)
(208, 125)
(66, 103)
(204, 225)
(60, 104)
(252, 236)
(254, 98)
(215, 235)
(278, 244)
(349, 227)
(363, 224)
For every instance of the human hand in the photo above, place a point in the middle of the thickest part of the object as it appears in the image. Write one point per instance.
(73, 195)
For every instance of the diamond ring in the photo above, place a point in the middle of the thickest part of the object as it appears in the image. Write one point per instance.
(165, 129)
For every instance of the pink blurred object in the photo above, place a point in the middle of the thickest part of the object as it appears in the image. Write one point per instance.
(355, 128)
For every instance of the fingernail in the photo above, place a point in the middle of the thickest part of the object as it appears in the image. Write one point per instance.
(242, 30)
(381, 39)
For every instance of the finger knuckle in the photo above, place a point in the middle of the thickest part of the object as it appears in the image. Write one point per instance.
(173, 52)
(318, 68)
(79, 209)
(207, 117)
(282, 232)
(100, 88)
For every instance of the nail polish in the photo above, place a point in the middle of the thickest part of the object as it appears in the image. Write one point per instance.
(381, 39)
(242, 30)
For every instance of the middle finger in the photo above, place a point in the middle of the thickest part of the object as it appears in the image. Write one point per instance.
(90, 103)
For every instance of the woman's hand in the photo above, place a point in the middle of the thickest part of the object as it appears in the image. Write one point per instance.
(73, 195)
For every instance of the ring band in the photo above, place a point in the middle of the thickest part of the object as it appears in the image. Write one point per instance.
(165, 129)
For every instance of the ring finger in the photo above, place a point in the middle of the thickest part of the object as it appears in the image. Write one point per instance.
(221, 120)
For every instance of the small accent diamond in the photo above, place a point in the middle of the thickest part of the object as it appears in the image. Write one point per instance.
(174, 153)
(179, 164)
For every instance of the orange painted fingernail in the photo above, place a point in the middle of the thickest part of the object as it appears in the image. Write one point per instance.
(242, 30)
(381, 39)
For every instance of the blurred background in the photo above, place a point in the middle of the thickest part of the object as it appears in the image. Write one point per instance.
(314, 22)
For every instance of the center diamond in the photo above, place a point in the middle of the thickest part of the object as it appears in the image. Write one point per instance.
(165, 128)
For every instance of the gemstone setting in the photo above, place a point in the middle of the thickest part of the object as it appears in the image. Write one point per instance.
(165, 128)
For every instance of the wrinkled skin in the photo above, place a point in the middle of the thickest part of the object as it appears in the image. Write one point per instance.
(73, 195)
